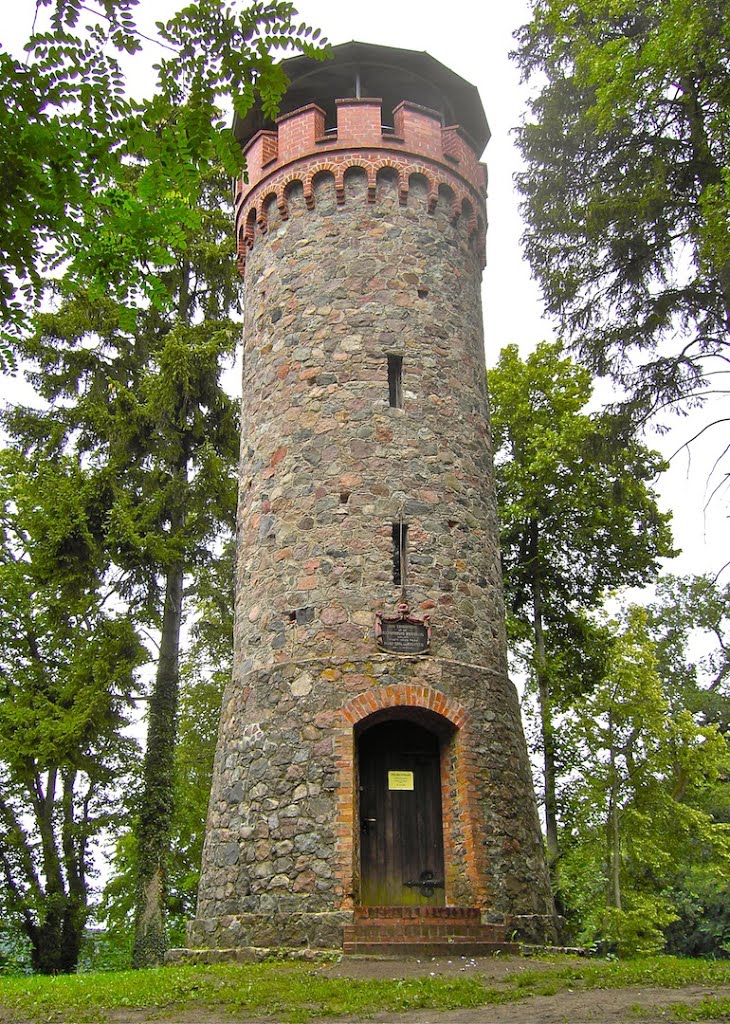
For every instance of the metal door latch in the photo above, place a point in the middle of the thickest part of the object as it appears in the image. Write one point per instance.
(426, 883)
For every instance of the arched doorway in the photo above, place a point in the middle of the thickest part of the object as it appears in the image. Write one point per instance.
(401, 829)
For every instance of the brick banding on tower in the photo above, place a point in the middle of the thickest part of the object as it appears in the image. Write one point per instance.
(363, 249)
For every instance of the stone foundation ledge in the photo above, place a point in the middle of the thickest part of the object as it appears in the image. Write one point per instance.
(250, 955)
(533, 929)
(294, 931)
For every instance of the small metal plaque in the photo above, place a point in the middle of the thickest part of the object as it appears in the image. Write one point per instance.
(404, 636)
(400, 780)
(403, 633)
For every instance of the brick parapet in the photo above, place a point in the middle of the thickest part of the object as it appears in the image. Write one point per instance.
(301, 149)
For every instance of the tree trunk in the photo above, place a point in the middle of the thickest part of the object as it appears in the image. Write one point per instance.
(158, 795)
(153, 834)
(74, 859)
(614, 835)
(547, 734)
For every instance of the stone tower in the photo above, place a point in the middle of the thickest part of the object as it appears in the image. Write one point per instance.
(370, 751)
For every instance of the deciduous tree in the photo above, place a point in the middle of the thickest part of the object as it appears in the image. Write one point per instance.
(635, 817)
(67, 662)
(578, 518)
(69, 126)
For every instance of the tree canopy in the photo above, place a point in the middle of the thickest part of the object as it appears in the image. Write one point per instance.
(70, 130)
(627, 186)
(641, 828)
(578, 518)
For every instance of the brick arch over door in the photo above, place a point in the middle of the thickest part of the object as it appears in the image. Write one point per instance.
(460, 812)
(404, 695)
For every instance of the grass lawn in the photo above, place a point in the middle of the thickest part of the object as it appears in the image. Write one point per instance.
(296, 993)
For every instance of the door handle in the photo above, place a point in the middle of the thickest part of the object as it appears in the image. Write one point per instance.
(426, 883)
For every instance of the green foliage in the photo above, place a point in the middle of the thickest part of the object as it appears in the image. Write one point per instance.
(205, 671)
(67, 663)
(142, 407)
(70, 134)
(574, 490)
(689, 623)
(696, 676)
(701, 904)
(635, 821)
(578, 519)
(638, 931)
(626, 190)
(15, 950)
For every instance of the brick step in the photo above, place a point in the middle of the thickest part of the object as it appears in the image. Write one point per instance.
(418, 913)
(390, 930)
(424, 932)
(463, 947)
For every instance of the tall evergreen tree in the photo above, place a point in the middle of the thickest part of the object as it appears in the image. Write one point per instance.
(147, 411)
(627, 189)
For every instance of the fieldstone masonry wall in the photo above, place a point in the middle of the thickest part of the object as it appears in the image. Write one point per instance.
(378, 251)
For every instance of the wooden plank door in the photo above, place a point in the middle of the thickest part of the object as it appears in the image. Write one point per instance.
(401, 833)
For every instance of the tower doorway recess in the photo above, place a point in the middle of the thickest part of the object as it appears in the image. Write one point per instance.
(401, 832)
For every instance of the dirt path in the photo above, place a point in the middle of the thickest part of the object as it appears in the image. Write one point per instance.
(614, 1006)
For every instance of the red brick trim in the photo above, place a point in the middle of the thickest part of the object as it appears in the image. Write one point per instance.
(442, 186)
(404, 695)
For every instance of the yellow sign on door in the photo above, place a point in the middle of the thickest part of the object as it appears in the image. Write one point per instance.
(400, 780)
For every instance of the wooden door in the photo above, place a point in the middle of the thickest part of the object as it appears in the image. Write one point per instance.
(401, 835)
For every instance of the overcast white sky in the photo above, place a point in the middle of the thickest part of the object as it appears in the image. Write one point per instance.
(474, 37)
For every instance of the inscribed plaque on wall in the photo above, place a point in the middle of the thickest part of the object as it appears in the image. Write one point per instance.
(403, 633)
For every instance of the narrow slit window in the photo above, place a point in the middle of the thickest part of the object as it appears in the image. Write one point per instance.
(395, 381)
(400, 539)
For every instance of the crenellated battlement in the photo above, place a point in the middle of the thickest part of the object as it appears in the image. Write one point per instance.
(417, 144)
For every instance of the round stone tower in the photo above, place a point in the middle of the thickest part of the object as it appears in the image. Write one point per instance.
(371, 753)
